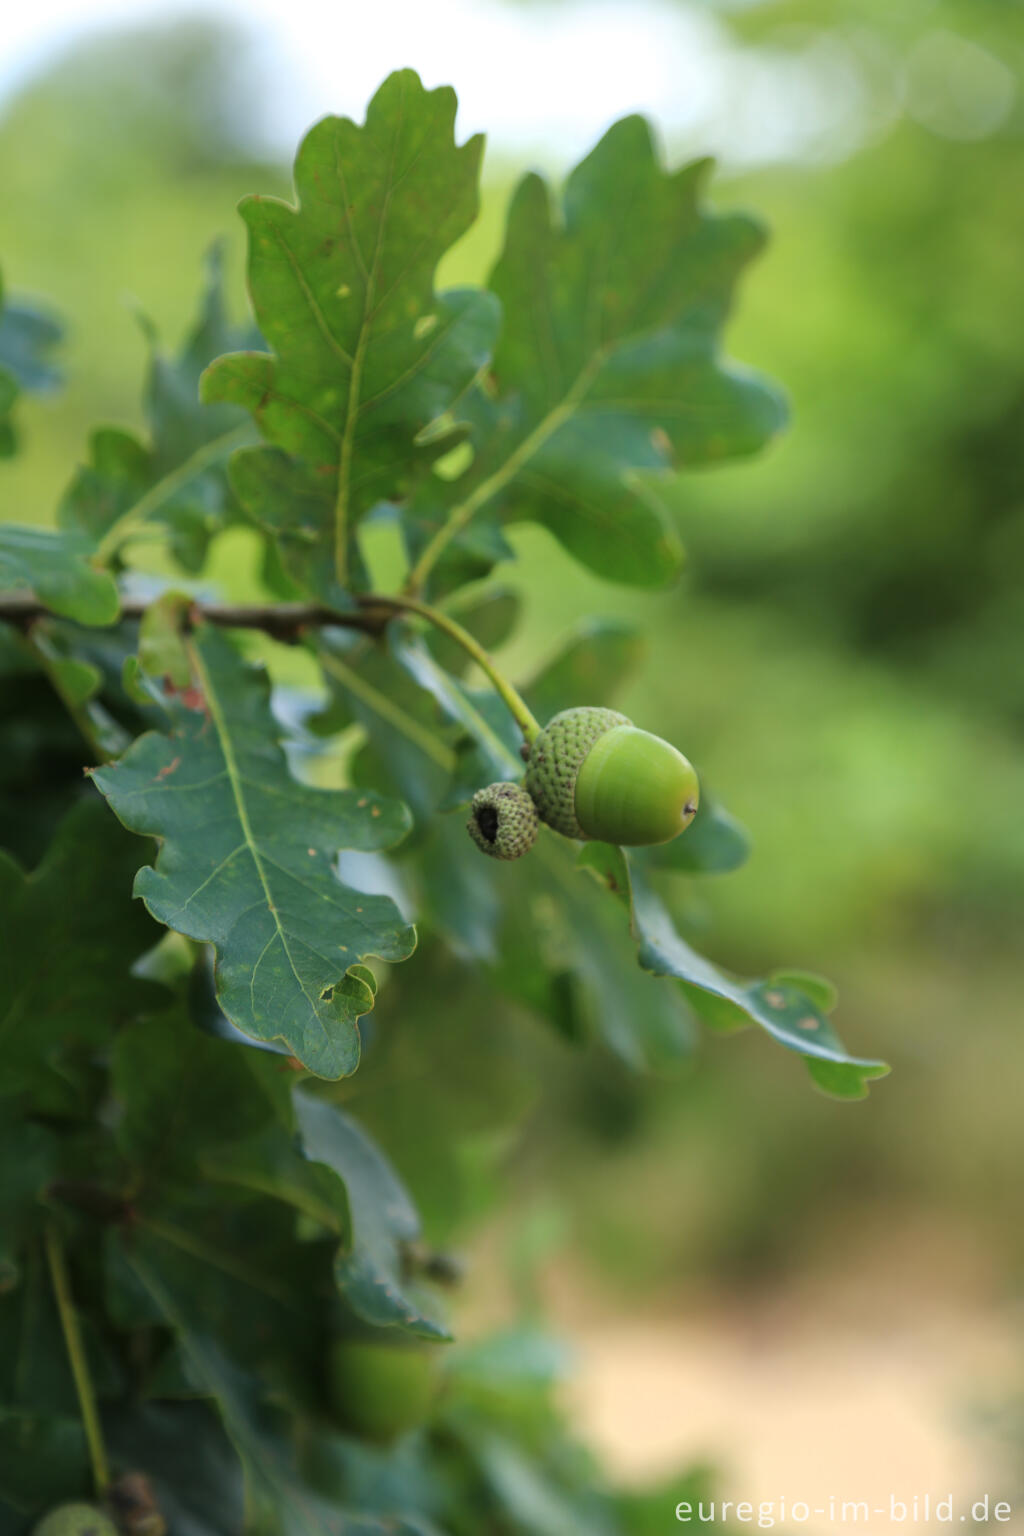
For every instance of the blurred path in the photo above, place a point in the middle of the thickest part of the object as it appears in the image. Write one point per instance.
(840, 1386)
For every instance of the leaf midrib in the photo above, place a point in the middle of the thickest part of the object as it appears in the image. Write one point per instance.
(235, 780)
(352, 404)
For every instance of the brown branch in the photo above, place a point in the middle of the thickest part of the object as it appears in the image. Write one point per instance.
(283, 621)
(288, 621)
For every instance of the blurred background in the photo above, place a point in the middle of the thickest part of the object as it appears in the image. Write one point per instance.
(819, 1298)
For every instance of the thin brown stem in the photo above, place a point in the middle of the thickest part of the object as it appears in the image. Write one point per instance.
(509, 696)
(288, 621)
(282, 621)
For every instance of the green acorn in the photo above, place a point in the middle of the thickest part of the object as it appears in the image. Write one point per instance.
(503, 821)
(379, 1390)
(75, 1520)
(593, 775)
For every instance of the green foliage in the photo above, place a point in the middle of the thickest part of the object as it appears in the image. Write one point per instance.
(56, 567)
(246, 863)
(28, 335)
(606, 375)
(229, 1265)
(176, 479)
(367, 356)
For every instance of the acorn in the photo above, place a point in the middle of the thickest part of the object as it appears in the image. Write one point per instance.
(380, 1390)
(592, 774)
(75, 1520)
(503, 821)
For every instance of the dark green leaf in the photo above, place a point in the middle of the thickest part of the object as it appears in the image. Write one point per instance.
(273, 1164)
(333, 1174)
(384, 1220)
(522, 1359)
(379, 1481)
(76, 683)
(607, 374)
(41, 753)
(533, 1502)
(55, 566)
(413, 752)
(28, 336)
(366, 355)
(34, 1373)
(28, 1158)
(589, 668)
(247, 863)
(8, 397)
(480, 715)
(43, 1460)
(575, 929)
(713, 844)
(278, 1503)
(822, 992)
(182, 1092)
(71, 933)
(182, 1450)
(460, 891)
(788, 1014)
(178, 478)
(444, 1104)
(490, 618)
(261, 1294)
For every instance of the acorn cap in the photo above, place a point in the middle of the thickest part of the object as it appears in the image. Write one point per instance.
(556, 757)
(503, 821)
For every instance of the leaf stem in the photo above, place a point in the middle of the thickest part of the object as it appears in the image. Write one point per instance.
(465, 511)
(76, 1359)
(513, 701)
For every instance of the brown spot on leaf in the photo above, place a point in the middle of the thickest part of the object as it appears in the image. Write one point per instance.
(191, 696)
(169, 768)
(775, 999)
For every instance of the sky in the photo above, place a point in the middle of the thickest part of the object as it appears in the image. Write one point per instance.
(543, 80)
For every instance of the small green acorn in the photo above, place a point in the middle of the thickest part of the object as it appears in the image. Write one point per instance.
(593, 775)
(75, 1520)
(503, 821)
(380, 1390)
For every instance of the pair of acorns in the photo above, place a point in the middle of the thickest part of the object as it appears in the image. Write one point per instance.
(590, 774)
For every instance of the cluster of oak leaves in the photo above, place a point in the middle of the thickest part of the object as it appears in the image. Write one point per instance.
(217, 1310)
